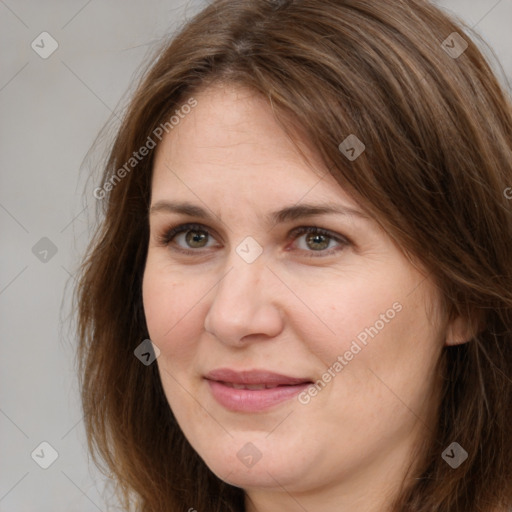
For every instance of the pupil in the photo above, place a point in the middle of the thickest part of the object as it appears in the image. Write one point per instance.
(317, 239)
(195, 238)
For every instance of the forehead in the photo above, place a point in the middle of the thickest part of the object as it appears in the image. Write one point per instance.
(230, 144)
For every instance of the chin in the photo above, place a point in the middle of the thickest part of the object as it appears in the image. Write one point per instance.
(250, 461)
(261, 475)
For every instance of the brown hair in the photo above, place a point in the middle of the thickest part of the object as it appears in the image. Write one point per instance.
(438, 134)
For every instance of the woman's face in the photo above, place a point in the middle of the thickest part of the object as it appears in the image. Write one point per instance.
(292, 360)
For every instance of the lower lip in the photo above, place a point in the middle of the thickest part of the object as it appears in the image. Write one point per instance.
(252, 400)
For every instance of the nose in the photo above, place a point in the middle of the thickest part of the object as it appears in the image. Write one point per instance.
(245, 306)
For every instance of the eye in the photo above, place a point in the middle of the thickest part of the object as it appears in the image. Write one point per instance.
(318, 240)
(192, 236)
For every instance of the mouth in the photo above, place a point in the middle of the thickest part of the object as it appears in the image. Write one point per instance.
(254, 390)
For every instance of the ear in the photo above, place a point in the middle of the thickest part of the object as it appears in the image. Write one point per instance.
(461, 330)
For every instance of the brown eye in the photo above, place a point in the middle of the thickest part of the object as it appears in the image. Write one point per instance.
(187, 237)
(317, 241)
(196, 238)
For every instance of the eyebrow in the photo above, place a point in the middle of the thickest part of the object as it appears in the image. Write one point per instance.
(286, 214)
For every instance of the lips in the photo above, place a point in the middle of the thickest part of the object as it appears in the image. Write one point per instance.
(254, 390)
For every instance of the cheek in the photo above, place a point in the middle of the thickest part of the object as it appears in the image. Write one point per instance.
(353, 308)
(381, 327)
(171, 306)
(392, 372)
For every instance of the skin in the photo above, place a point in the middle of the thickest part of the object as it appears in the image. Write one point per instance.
(293, 310)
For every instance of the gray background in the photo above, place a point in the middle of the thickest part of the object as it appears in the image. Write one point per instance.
(51, 110)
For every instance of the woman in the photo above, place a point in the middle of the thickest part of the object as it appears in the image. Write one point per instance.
(300, 295)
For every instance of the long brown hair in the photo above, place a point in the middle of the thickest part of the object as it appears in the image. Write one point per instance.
(437, 130)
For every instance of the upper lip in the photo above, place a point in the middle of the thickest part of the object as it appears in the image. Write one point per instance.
(253, 377)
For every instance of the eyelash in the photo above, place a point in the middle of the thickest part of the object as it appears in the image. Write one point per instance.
(166, 238)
